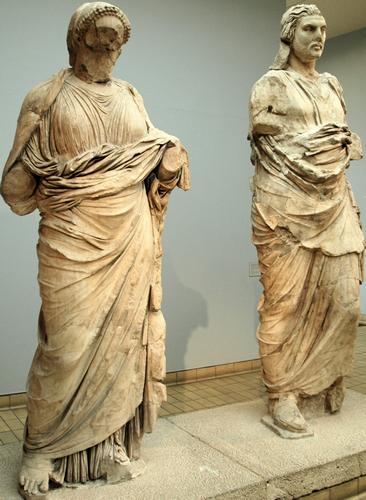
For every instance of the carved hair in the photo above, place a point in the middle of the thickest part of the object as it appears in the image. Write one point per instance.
(84, 16)
(288, 26)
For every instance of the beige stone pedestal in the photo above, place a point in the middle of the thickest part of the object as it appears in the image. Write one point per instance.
(227, 453)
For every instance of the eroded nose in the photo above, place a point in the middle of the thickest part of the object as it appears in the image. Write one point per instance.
(108, 37)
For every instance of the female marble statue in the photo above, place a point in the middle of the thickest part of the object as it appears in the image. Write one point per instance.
(87, 156)
(305, 224)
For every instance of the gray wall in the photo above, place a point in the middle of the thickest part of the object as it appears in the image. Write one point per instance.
(194, 62)
(345, 57)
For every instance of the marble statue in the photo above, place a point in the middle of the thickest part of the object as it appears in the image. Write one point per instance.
(306, 226)
(88, 158)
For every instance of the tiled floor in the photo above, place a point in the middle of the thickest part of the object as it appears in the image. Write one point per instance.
(11, 425)
(246, 386)
(199, 395)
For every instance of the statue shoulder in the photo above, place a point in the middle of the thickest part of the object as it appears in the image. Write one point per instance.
(272, 82)
(34, 106)
(268, 104)
(122, 84)
(32, 101)
(137, 98)
(274, 77)
(330, 77)
(271, 88)
(337, 88)
(40, 97)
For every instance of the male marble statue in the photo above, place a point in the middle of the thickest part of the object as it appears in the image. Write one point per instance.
(305, 225)
(87, 156)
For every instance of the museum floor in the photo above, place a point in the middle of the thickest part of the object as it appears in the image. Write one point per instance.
(190, 397)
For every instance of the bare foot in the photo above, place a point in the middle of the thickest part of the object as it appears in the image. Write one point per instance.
(34, 477)
(286, 414)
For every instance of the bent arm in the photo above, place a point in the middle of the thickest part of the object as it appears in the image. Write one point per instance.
(18, 185)
(354, 143)
(173, 161)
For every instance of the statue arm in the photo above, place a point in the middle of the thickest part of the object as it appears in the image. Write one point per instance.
(354, 145)
(267, 110)
(173, 162)
(18, 189)
(355, 148)
(174, 158)
(18, 185)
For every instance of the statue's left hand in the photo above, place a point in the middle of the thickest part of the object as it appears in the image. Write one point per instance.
(355, 147)
(173, 160)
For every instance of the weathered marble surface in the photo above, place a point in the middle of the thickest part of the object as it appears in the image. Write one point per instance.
(228, 453)
(305, 224)
(88, 157)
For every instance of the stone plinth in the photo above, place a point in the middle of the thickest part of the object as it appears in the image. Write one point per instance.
(228, 453)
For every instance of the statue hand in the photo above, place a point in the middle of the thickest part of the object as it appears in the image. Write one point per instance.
(172, 162)
(355, 147)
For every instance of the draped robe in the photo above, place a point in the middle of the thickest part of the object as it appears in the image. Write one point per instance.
(306, 229)
(95, 384)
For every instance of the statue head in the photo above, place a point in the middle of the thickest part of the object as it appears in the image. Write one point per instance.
(96, 33)
(293, 34)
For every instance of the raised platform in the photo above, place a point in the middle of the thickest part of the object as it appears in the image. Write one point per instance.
(227, 453)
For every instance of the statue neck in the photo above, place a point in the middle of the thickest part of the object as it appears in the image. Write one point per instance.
(305, 68)
(94, 66)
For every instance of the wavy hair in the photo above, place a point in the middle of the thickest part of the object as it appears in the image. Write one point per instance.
(87, 14)
(288, 26)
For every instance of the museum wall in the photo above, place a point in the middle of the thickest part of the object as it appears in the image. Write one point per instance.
(194, 62)
(345, 57)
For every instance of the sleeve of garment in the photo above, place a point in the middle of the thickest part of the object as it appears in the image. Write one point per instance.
(18, 185)
(337, 88)
(268, 105)
(34, 106)
(168, 175)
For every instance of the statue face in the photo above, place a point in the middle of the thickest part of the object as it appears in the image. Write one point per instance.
(99, 50)
(105, 35)
(309, 39)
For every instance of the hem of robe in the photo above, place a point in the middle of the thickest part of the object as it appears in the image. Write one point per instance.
(295, 378)
(87, 465)
(309, 393)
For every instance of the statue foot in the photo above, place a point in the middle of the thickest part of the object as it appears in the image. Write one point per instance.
(286, 414)
(335, 395)
(34, 478)
(31, 496)
(120, 468)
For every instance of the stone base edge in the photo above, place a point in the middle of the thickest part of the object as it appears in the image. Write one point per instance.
(349, 490)
(272, 491)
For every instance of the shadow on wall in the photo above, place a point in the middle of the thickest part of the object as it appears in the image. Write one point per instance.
(185, 310)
